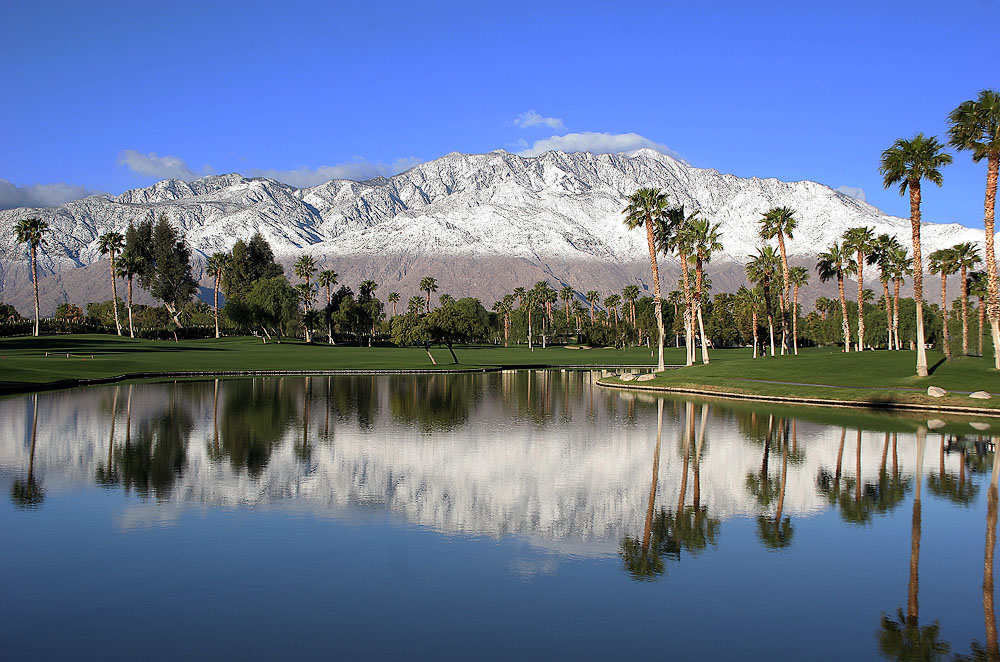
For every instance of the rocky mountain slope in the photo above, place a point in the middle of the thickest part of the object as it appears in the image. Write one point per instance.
(482, 224)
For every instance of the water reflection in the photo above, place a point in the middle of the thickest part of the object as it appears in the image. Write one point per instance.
(546, 457)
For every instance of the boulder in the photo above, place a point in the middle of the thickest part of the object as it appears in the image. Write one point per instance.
(935, 424)
(936, 391)
(605, 374)
(980, 426)
(980, 395)
(629, 377)
(649, 376)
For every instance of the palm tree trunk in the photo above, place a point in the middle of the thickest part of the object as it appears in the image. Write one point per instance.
(114, 294)
(795, 321)
(982, 319)
(989, 613)
(131, 329)
(688, 310)
(784, 293)
(754, 315)
(843, 311)
(944, 316)
(857, 470)
(784, 479)
(770, 328)
(652, 487)
(895, 312)
(918, 275)
(216, 306)
(965, 312)
(529, 331)
(989, 208)
(699, 274)
(913, 605)
(658, 309)
(861, 302)
(686, 449)
(34, 281)
(888, 313)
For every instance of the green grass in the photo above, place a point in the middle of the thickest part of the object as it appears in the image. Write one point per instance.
(24, 365)
(876, 373)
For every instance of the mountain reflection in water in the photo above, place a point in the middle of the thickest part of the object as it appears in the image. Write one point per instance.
(546, 457)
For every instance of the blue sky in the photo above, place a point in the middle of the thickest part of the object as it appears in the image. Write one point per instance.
(105, 96)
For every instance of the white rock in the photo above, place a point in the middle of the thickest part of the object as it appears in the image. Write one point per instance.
(936, 391)
(980, 426)
(649, 376)
(629, 377)
(935, 424)
(980, 395)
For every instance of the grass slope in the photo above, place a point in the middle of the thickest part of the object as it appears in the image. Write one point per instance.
(828, 373)
(23, 363)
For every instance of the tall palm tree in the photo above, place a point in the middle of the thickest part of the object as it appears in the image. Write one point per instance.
(881, 254)
(32, 231)
(393, 298)
(799, 277)
(975, 126)
(860, 240)
(630, 294)
(671, 235)
(645, 207)
(966, 257)
(110, 244)
(307, 295)
(943, 261)
(762, 270)
(611, 302)
(217, 264)
(907, 163)
(780, 222)
(503, 308)
(594, 299)
(129, 265)
(706, 239)
(327, 279)
(305, 268)
(749, 300)
(978, 287)
(428, 285)
(833, 264)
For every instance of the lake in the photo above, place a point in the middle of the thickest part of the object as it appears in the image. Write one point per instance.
(527, 514)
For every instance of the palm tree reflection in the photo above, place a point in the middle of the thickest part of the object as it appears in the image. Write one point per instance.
(28, 494)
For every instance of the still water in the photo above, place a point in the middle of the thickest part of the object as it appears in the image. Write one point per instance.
(518, 515)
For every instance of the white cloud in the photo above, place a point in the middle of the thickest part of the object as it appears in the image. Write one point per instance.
(853, 192)
(532, 118)
(161, 167)
(357, 170)
(598, 143)
(39, 195)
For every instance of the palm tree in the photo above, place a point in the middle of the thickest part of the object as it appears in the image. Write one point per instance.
(780, 222)
(503, 308)
(305, 268)
(129, 265)
(630, 294)
(528, 302)
(975, 126)
(307, 295)
(832, 264)
(327, 279)
(111, 243)
(671, 235)
(566, 294)
(966, 257)
(32, 231)
(978, 287)
(393, 298)
(217, 264)
(706, 239)
(645, 207)
(750, 300)
(907, 163)
(594, 299)
(799, 277)
(881, 254)
(762, 270)
(415, 305)
(428, 285)
(942, 261)
(860, 240)
(611, 302)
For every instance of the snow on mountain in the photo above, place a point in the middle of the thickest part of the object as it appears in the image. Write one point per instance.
(557, 215)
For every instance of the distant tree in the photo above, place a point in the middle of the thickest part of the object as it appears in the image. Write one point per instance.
(110, 244)
(979, 288)
(129, 266)
(966, 257)
(458, 321)
(594, 299)
(631, 294)
(705, 239)
(327, 279)
(393, 298)
(762, 270)
(428, 285)
(272, 303)
(566, 294)
(799, 277)
(217, 265)
(907, 163)
(859, 240)
(165, 270)
(250, 261)
(780, 222)
(834, 263)
(69, 313)
(32, 231)
(944, 261)
(307, 295)
(415, 305)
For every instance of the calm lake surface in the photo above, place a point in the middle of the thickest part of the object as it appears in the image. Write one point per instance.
(504, 515)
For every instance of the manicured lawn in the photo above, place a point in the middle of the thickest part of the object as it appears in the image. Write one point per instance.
(816, 370)
(24, 363)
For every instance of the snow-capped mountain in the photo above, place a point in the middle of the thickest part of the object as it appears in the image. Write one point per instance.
(481, 223)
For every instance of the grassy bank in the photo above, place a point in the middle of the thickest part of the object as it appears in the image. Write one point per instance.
(826, 373)
(24, 363)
